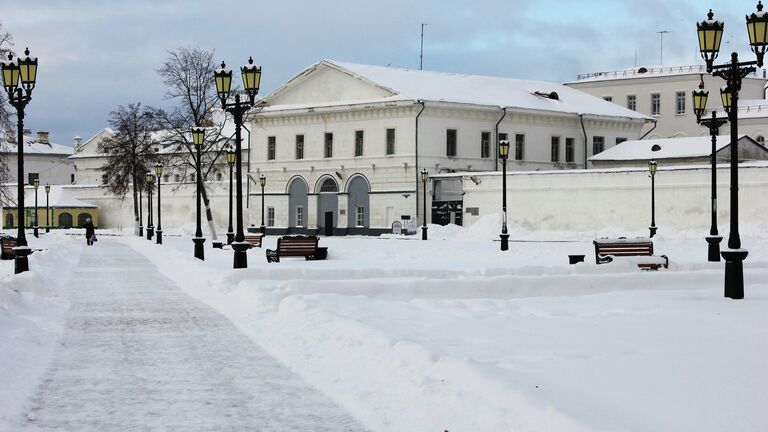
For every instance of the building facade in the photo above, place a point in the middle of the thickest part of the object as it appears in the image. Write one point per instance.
(43, 160)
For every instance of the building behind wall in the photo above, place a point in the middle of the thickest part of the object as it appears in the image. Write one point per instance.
(43, 160)
(342, 145)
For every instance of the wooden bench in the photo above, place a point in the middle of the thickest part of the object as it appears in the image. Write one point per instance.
(7, 244)
(296, 246)
(607, 249)
(253, 240)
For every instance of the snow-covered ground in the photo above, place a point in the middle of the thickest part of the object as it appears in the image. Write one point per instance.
(453, 334)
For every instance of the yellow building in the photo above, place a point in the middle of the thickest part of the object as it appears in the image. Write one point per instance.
(65, 211)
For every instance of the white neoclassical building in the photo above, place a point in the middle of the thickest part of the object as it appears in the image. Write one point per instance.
(664, 93)
(342, 145)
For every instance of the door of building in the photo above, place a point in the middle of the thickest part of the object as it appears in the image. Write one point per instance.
(328, 223)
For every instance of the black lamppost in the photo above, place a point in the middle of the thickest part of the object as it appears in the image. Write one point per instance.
(47, 209)
(159, 232)
(35, 228)
(150, 183)
(141, 214)
(504, 154)
(710, 33)
(24, 70)
(652, 166)
(198, 137)
(231, 158)
(251, 80)
(713, 124)
(424, 178)
(262, 182)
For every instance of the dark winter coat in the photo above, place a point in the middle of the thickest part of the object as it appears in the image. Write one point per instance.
(89, 229)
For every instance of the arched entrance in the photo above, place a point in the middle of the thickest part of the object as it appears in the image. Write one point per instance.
(65, 220)
(327, 205)
(82, 218)
(297, 203)
(358, 204)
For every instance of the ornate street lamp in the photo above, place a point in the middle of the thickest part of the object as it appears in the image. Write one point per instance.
(198, 137)
(713, 124)
(231, 158)
(504, 154)
(150, 178)
(159, 232)
(424, 178)
(47, 209)
(251, 75)
(710, 35)
(262, 182)
(652, 166)
(35, 184)
(24, 71)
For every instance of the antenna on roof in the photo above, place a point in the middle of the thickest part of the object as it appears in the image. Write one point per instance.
(661, 34)
(421, 52)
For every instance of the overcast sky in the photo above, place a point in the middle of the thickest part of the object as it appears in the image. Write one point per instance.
(95, 56)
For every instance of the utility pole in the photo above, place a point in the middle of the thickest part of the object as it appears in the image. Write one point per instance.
(421, 52)
(661, 55)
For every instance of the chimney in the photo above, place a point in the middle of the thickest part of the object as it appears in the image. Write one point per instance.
(78, 141)
(27, 132)
(42, 137)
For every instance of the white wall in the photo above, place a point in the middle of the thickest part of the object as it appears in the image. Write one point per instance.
(53, 169)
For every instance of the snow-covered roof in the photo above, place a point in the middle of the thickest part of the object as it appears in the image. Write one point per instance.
(58, 198)
(33, 146)
(666, 148)
(409, 84)
(650, 71)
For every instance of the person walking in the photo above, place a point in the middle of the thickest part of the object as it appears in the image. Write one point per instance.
(90, 232)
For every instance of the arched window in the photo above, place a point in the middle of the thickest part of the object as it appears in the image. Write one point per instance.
(760, 140)
(82, 218)
(329, 186)
(65, 220)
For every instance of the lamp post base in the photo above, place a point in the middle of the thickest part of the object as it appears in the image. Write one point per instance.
(504, 241)
(714, 248)
(230, 237)
(21, 262)
(150, 232)
(35, 231)
(159, 235)
(241, 258)
(141, 230)
(199, 250)
(423, 233)
(263, 230)
(652, 229)
(47, 229)
(734, 272)
(217, 244)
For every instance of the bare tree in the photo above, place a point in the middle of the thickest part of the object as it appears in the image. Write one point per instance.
(188, 76)
(6, 42)
(130, 151)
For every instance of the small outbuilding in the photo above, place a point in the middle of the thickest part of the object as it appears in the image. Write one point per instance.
(66, 211)
(677, 151)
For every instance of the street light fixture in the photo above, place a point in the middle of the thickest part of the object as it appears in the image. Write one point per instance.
(652, 166)
(424, 178)
(504, 154)
(713, 124)
(710, 34)
(251, 75)
(35, 184)
(198, 137)
(159, 232)
(231, 158)
(150, 178)
(262, 182)
(24, 71)
(47, 209)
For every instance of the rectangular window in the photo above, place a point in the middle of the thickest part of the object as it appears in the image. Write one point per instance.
(328, 145)
(271, 144)
(450, 143)
(632, 102)
(270, 216)
(166, 178)
(598, 144)
(555, 149)
(176, 178)
(569, 150)
(680, 102)
(519, 146)
(299, 216)
(620, 140)
(31, 177)
(359, 136)
(656, 104)
(192, 178)
(72, 178)
(485, 144)
(390, 141)
(299, 146)
(360, 216)
(608, 98)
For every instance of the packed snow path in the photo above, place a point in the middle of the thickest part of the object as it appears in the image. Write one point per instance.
(138, 354)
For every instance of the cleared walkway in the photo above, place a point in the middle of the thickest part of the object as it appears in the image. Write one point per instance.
(140, 355)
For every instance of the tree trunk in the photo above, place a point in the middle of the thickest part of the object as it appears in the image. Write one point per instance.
(135, 205)
(208, 214)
